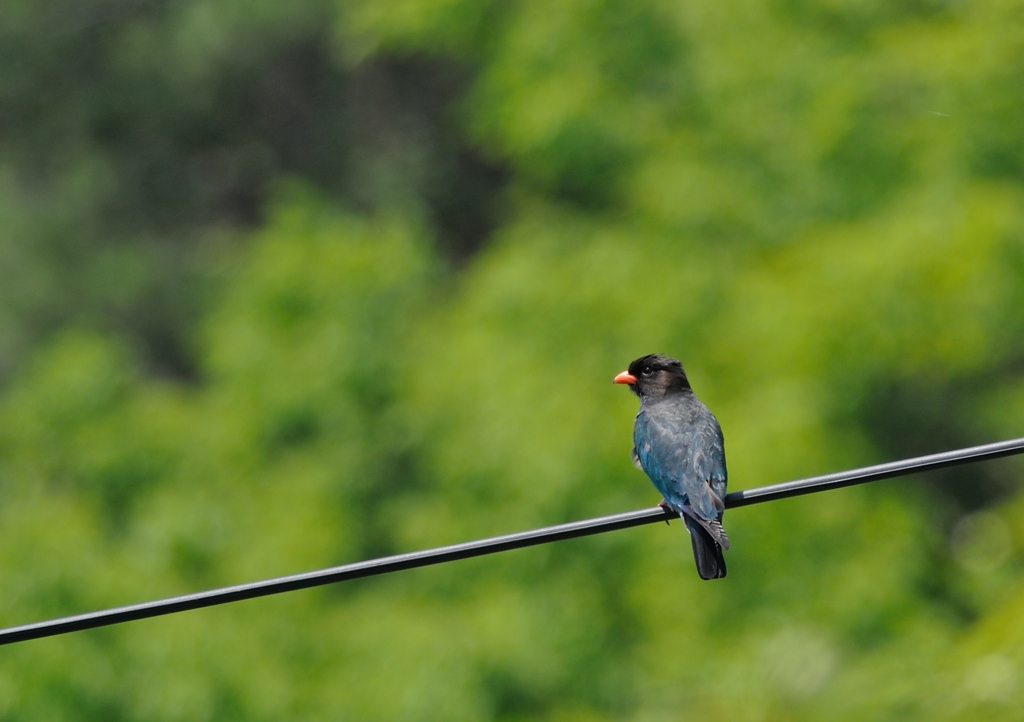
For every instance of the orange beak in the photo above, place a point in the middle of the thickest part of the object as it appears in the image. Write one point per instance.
(625, 378)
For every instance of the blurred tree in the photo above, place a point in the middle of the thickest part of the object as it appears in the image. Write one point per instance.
(815, 204)
(137, 139)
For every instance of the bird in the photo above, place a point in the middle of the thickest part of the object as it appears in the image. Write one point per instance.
(678, 443)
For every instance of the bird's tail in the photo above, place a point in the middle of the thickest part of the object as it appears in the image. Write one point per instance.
(706, 551)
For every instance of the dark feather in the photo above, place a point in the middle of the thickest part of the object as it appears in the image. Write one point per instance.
(706, 552)
(679, 445)
(712, 526)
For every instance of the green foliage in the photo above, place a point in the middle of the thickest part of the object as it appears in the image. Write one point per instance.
(815, 204)
(139, 143)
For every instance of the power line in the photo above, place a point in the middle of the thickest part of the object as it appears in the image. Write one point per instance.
(496, 544)
(874, 473)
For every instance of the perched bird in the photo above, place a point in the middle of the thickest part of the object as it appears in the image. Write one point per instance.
(678, 443)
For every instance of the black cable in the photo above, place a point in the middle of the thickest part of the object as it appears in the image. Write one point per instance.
(874, 473)
(492, 545)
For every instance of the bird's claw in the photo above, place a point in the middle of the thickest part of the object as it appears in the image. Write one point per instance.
(664, 505)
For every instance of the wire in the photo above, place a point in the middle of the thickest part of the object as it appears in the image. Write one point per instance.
(874, 473)
(496, 544)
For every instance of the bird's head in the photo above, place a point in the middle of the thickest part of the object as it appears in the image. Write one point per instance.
(654, 376)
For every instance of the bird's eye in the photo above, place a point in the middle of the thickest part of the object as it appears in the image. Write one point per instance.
(647, 371)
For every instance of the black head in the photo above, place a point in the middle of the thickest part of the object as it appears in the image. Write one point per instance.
(654, 376)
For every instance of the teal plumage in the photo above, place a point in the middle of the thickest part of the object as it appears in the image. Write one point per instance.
(679, 445)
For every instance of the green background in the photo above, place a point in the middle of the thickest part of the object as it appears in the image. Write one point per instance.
(288, 285)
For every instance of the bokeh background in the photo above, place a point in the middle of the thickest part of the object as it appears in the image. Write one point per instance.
(290, 284)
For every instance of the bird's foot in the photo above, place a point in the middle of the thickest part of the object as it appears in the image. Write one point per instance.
(664, 505)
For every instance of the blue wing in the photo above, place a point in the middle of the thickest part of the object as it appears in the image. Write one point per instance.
(686, 462)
